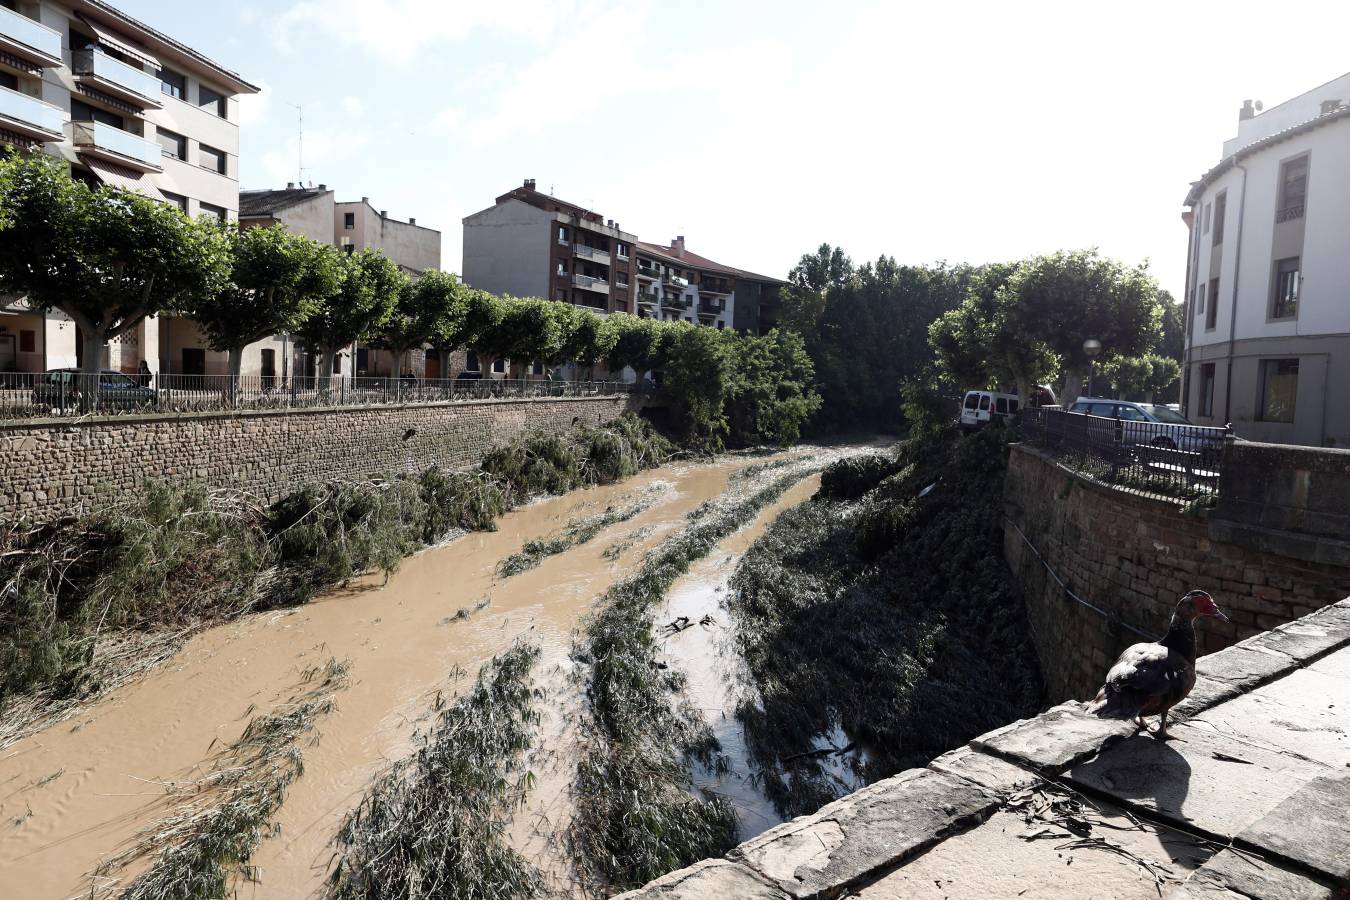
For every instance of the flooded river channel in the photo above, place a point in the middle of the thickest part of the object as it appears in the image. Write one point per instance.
(76, 793)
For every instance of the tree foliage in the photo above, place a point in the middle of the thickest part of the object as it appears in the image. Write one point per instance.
(368, 286)
(428, 310)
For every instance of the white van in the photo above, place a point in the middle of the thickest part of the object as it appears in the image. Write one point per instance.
(981, 408)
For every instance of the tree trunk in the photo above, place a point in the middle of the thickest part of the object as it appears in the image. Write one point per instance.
(232, 383)
(87, 386)
(1073, 386)
(323, 368)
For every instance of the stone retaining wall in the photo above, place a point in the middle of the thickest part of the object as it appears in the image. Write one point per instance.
(1133, 557)
(54, 467)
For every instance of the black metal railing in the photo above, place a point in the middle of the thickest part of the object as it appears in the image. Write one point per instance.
(1152, 458)
(28, 396)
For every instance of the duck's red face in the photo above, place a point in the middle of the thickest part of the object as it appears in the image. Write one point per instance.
(1204, 605)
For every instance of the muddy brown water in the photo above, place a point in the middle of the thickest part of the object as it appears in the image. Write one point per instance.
(114, 759)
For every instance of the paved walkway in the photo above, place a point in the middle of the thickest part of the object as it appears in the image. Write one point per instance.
(1250, 798)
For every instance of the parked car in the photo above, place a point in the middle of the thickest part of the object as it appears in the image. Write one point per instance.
(981, 408)
(1173, 431)
(64, 388)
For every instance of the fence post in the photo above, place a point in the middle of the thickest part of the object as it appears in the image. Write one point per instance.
(1117, 442)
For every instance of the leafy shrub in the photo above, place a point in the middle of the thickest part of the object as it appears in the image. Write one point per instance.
(851, 477)
(467, 500)
(536, 464)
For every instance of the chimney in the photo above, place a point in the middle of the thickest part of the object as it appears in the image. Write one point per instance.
(1330, 106)
(290, 185)
(529, 184)
(412, 221)
(678, 246)
(384, 214)
(323, 187)
(1247, 112)
(365, 199)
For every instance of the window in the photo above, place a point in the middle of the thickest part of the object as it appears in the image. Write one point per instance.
(1279, 390)
(9, 81)
(212, 159)
(1284, 301)
(174, 145)
(27, 341)
(208, 209)
(349, 220)
(1212, 312)
(1209, 209)
(984, 401)
(562, 267)
(560, 294)
(621, 249)
(177, 200)
(537, 368)
(1207, 390)
(1199, 299)
(471, 362)
(83, 112)
(349, 249)
(1220, 208)
(337, 363)
(1129, 413)
(562, 234)
(210, 100)
(194, 361)
(499, 365)
(172, 84)
(1293, 189)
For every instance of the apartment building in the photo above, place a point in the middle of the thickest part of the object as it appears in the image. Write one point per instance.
(531, 244)
(351, 226)
(1268, 275)
(675, 284)
(127, 106)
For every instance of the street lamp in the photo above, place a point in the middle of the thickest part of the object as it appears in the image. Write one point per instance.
(1092, 348)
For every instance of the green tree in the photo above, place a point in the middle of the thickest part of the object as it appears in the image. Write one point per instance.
(814, 276)
(368, 286)
(638, 343)
(430, 308)
(1066, 298)
(697, 371)
(277, 281)
(1141, 377)
(106, 258)
(593, 339)
(771, 393)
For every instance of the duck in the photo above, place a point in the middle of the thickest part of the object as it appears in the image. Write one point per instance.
(1149, 679)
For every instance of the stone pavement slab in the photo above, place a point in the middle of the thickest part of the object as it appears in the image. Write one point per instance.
(1208, 692)
(987, 771)
(865, 833)
(1304, 639)
(712, 879)
(1307, 712)
(1311, 828)
(1199, 779)
(1003, 859)
(1054, 740)
(1234, 876)
(1245, 667)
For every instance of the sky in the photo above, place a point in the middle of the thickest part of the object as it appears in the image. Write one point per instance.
(957, 131)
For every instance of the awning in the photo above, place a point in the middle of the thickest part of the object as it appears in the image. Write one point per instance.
(127, 179)
(107, 37)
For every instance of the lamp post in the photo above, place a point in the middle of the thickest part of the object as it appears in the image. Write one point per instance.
(1092, 348)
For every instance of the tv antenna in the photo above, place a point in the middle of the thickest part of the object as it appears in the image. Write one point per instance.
(300, 145)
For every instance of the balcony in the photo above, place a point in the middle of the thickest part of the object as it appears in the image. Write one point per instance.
(648, 273)
(674, 301)
(587, 283)
(112, 144)
(713, 308)
(675, 281)
(29, 117)
(714, 286)
(594, 254)
(29, 40)
(117, 79)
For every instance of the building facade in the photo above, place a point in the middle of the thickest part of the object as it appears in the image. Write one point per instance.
(531, 244)
(351, 226)
(125, 106)
(1268, 275)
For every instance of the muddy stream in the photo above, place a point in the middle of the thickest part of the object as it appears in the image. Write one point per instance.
(111, 762)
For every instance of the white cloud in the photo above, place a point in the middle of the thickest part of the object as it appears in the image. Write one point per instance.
(253, 108)
(353, 107)
(448, 120)
(396, 31)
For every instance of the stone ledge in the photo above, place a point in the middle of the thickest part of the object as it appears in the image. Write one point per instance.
(989, 772)
(866, 833)
(708, 879)
(1310, 828)
(1056, 739)
(1232, 876)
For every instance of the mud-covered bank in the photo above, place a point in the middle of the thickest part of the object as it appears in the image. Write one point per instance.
(878, 624)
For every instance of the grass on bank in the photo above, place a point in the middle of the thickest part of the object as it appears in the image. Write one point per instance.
(186, 558)
(197, 851)
(884, 606)
(636, 818)
(577, 532)
(436, 824)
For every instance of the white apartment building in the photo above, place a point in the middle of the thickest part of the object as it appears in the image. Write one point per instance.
(124, 105)
(1268, 275)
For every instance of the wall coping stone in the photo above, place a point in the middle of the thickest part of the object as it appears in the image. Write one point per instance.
(225, 415)
(1116, 492)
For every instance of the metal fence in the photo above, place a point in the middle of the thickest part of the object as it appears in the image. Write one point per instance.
(1175, 461)
(67, 393)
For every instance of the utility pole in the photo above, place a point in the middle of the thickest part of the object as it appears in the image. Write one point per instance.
(300, 145)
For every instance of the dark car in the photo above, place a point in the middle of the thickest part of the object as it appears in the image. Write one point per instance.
(71, 388)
